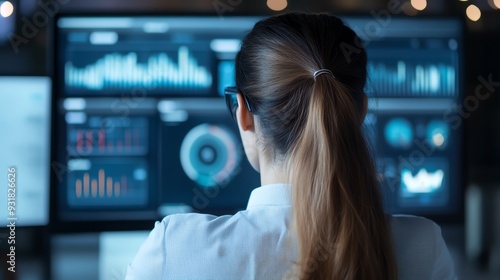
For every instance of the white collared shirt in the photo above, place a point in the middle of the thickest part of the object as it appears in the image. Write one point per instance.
(255, 244)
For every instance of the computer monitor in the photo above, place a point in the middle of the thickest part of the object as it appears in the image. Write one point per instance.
(25, 104)
(141, 125)
(414, 81)
(141, 128)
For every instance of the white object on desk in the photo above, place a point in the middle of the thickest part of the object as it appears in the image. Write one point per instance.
(116, 251)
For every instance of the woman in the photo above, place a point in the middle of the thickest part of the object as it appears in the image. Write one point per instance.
(318, 215)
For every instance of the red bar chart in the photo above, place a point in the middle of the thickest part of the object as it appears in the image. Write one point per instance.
(117, 137)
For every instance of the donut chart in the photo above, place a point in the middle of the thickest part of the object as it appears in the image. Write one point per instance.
(209, 155)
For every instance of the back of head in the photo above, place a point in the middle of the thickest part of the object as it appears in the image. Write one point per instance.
(312, 126)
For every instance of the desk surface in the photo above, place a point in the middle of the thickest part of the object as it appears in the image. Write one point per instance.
(106, 255)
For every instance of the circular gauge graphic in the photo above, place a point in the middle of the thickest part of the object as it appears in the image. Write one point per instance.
(437, 133)
(209, 155)
(399, 133)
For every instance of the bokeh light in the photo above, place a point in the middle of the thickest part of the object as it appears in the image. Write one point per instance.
(277, 5)
(473, 12)
(495, 4)
(6, 9)
(419, 5)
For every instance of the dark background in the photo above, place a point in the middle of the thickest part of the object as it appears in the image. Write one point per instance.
(482, 126)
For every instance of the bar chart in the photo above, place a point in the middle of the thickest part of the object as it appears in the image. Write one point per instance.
(411, 79)
(118, 71)
(101, 186)
(107, 183)
(109, 136)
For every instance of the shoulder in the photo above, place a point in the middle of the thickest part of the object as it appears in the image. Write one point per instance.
(183, 236)
(181, 219)
(206, 229)
(413, 233)
(242, 240)
(257, 219)
(196, 222)
(420, 249)
(413, 224)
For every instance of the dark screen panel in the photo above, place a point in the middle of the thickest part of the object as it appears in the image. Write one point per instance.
(415, 74)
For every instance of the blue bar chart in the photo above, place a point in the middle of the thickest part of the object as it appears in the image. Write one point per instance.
(410, 79)
(118, 71)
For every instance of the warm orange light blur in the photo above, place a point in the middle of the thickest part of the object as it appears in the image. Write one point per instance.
(495, 4)
(277, 5)
(473, 12)
(419, 5)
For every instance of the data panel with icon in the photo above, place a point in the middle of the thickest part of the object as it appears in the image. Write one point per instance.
(107, 183)
(416, 158)
(206, 155)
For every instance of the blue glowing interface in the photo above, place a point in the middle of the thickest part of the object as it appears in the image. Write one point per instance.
(142, 131)
(181, 56)
(417, 160)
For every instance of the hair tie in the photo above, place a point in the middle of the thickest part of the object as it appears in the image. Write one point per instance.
(322, 71)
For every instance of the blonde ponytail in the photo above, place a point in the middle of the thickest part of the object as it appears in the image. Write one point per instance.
(313, 127)
(339, 220)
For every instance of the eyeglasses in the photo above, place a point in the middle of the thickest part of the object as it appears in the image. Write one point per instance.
(232, 102)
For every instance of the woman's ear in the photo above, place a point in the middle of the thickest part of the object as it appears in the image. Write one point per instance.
(244, 117)
(246, 125)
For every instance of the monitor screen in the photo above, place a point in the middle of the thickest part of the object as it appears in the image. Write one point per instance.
(25, 157)
(414, 74)
(142, 130)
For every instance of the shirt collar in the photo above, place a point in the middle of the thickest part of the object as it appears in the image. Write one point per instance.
(271, 195)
